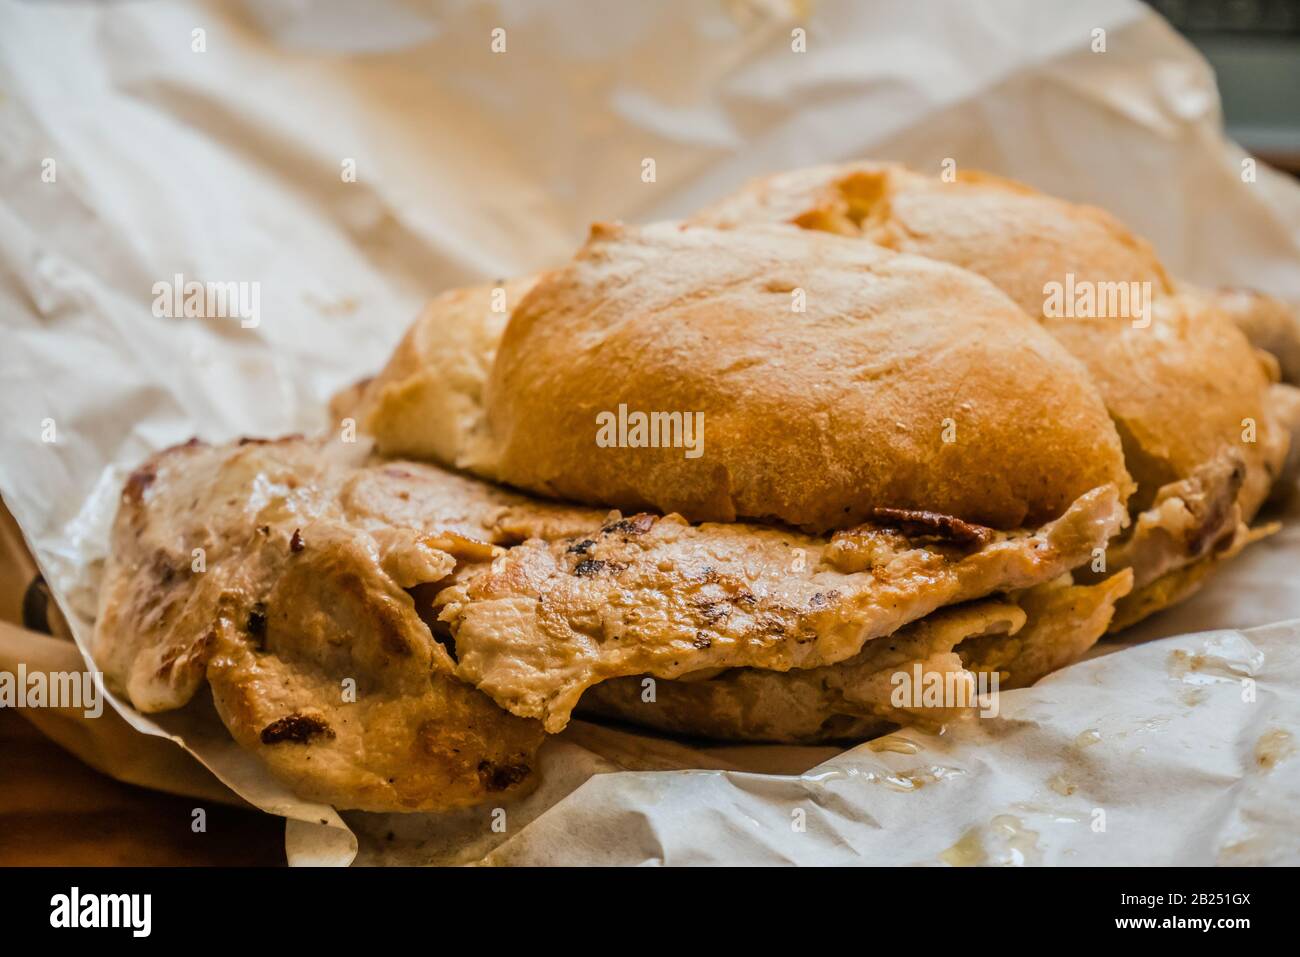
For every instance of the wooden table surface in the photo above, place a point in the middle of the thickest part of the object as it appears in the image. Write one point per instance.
(54, 810)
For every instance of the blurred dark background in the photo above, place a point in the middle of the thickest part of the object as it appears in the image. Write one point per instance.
(1254, 47)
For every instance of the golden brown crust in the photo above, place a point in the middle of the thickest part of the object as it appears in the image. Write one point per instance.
(1178, 389)
(1005, 231)
(902, 383)
(427, 402)
(1186, 391)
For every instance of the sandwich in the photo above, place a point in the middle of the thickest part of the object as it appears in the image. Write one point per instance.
(736, 481)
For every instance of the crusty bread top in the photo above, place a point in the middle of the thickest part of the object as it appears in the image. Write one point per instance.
(902, 383)
(427, 401)
(1007, 232)
(1180, 390)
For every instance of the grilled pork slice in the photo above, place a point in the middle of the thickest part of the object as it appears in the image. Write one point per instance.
(392, 636)
(661, 597)
(282, 574)
(1019, 638)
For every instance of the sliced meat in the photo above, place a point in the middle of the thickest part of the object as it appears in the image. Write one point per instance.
(1189, 519)
(1044, 628)
(349, 700)
(279, 572)
(549, 620)
(304, 581)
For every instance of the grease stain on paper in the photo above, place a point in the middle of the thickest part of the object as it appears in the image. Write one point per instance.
(1006, 842)
(1273, 747)
(1226, 656)
(894, 744)
(1062, 785)
(1088, 738)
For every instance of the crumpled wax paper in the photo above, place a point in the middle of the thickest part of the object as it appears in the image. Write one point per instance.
(208, 140)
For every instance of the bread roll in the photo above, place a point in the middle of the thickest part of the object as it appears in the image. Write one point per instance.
(832, 378)
(1270, 324)
(427, 403)
(1178, 389)
(1190, 397)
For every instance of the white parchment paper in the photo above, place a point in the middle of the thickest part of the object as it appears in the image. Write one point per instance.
(211, 140)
